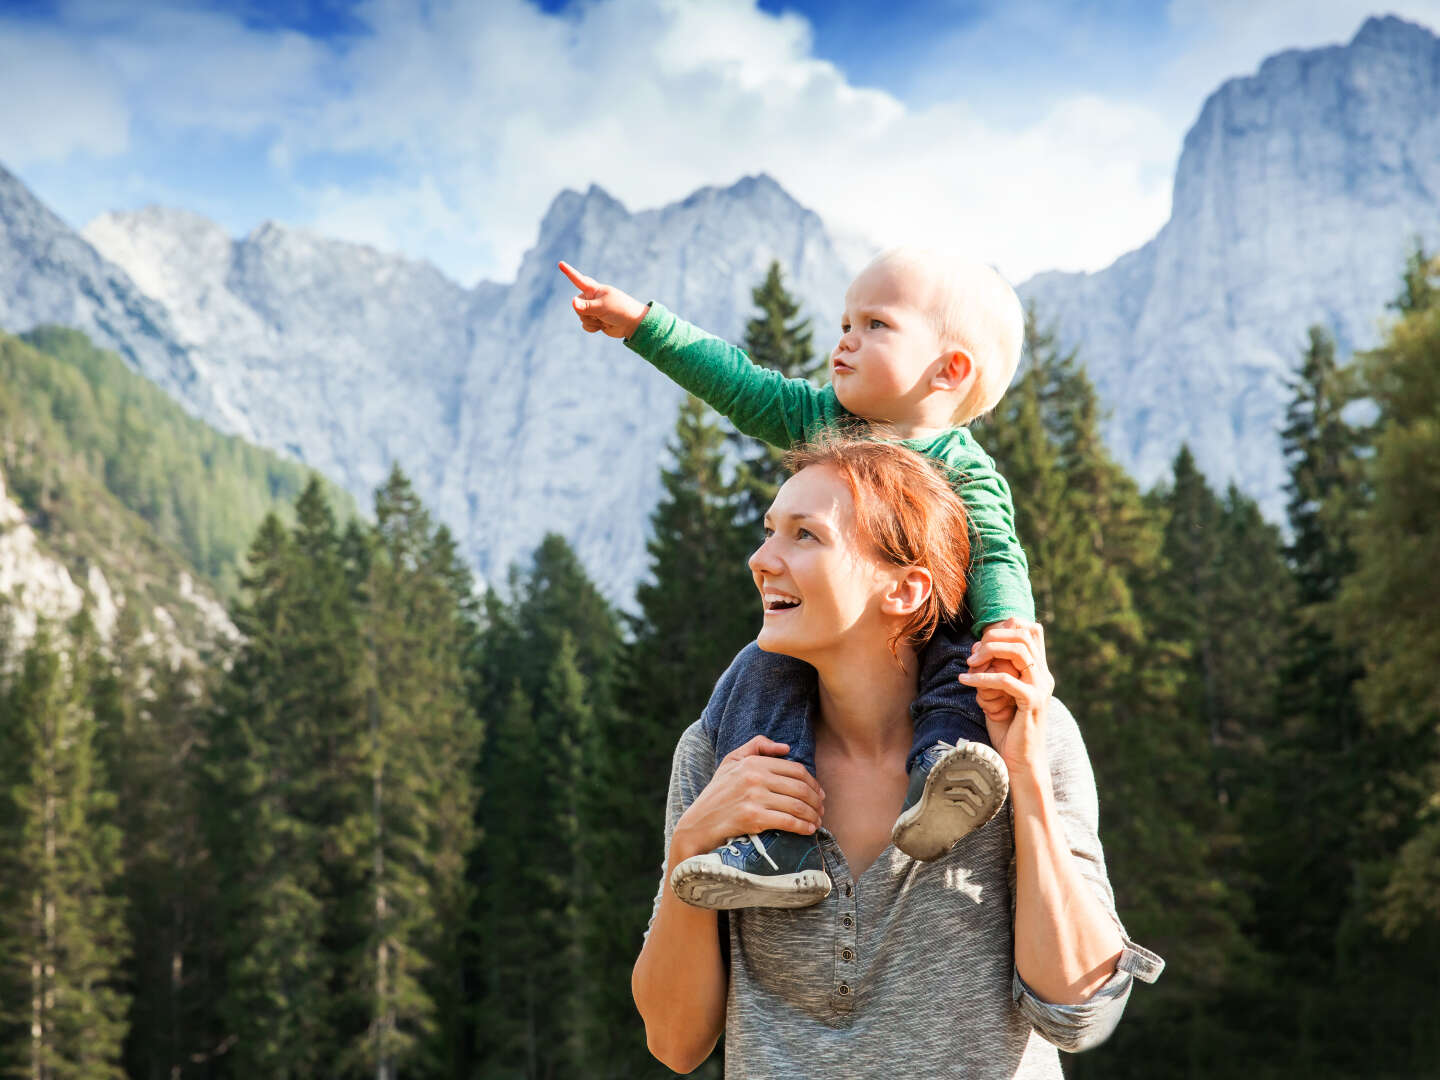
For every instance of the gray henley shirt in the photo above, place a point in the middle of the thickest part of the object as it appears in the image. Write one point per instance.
(909, 971)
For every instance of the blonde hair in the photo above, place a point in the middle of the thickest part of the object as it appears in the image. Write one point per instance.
(907, 510)
(974, 309)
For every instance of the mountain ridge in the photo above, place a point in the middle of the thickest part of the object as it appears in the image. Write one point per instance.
(1298, 190)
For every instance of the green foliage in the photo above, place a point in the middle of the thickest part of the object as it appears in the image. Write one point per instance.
(342, 754)
(150, 728)
(546, 675)
(62, 926)
(1387, 607)
(1098, 569)
(323, 869)
(262, 763)
(69, 408)
(774, 338)
(411, 827)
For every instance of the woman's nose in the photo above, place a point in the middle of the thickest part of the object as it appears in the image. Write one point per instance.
(763, 558)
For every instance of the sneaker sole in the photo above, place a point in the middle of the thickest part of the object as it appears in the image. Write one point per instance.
(964, 790)
(722, 888)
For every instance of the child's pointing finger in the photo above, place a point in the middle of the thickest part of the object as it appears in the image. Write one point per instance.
(580, 281)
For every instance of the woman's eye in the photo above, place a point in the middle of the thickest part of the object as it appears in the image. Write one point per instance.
(767, 532)
(801, 534)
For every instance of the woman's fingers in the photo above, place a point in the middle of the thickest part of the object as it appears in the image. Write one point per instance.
(796, 808)
(794, 788)
(1020, 691)
(758, 744)
(778, 819)
(778, 767)
(1018, 653)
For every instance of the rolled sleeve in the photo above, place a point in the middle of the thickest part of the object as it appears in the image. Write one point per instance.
(1073, 1028)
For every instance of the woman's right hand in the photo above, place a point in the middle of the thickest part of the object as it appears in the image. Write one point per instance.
(753, 789)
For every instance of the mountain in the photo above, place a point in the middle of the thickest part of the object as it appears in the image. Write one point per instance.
(110, 494)
(509, 420)
(1298, 193)
(343, 357)
(66, 542)
(48, 274)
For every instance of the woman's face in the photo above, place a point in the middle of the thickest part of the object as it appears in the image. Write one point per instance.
(821, 585)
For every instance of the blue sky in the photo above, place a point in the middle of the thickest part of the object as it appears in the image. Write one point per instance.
(1036, 134)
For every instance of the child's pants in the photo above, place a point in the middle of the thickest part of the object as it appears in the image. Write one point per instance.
(778, 698)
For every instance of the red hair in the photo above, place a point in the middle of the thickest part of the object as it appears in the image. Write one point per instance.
(909, 513)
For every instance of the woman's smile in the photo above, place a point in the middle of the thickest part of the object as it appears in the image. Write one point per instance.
(777, 602)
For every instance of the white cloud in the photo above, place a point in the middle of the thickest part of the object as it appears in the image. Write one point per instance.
(57, 100)
(478, 114)
(499, 106)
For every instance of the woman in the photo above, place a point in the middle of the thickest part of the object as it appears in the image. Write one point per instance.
(907, 968)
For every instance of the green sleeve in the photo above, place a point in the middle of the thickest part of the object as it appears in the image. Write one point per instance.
(999, 572)
(760, 402)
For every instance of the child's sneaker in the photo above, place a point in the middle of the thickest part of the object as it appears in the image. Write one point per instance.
(770, 869)
(953, 791)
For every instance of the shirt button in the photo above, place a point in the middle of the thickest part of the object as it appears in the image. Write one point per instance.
(849, 890)
(847, 922)
(844, 989)
(847, 954)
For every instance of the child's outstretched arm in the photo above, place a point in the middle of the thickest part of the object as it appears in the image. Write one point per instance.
(758, 401)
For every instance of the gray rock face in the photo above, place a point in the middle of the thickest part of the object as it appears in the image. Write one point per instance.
(48, 274)
(1298, 194)
(341, 356)
(510, 420)
(563, 431)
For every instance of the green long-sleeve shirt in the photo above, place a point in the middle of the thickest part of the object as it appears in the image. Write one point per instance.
(764, 404)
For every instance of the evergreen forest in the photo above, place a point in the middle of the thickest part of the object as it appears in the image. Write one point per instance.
(408, 829)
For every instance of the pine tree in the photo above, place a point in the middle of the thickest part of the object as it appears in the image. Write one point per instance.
(407, 838)
(62, 922)
(276, 1011)
(699, 606)
(458, 746)
(1095, 568)
(545, 672)
(697, 610)
(775, 339)
(148, 715)
(1389, 607)
(566, 708)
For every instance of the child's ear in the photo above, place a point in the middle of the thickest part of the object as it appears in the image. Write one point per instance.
(908, 592)
(955, 368)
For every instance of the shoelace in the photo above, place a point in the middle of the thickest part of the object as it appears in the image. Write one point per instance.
(730, 846)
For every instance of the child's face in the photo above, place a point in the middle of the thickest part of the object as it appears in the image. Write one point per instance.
(889, 348)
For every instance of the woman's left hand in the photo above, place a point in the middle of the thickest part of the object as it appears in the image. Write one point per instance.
(1009, 670)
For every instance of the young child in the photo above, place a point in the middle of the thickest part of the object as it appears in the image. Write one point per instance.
(927, 344)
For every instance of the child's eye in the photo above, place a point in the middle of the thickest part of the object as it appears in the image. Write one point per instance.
(844, 328)
(875, 322)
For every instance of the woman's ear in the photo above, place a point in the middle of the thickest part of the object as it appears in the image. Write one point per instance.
(910, 589)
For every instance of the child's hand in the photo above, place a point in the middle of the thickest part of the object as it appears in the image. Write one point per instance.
(603, 307)
(997, 705)
(1010, 661)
